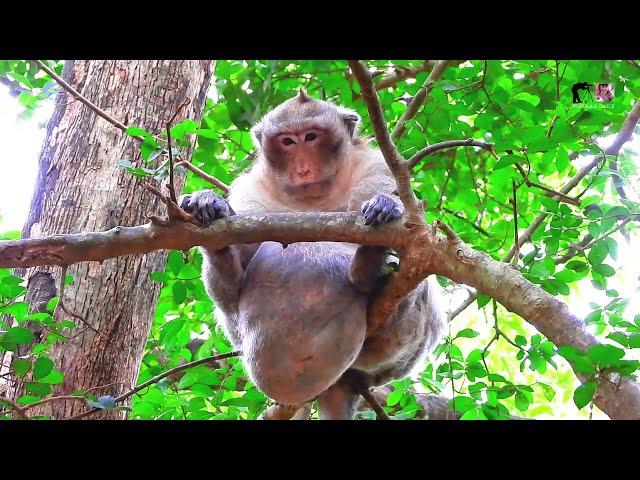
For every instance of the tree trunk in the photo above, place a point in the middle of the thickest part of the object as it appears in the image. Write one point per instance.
(80, 187)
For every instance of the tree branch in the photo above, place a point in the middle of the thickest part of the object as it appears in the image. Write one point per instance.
(204, 175)
(623, 136)
(156, 379)
(436, 147)
(420, 97)
(17, 409)
(402, 73)
(396, 163)
(101, 113)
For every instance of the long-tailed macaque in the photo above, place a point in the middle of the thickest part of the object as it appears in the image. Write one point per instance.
(298, 312)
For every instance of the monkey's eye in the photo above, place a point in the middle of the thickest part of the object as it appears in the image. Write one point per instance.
(309, 137)
(288, 141)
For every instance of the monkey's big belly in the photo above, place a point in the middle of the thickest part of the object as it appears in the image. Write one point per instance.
(301, 322)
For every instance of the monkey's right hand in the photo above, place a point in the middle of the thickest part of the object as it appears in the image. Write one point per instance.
(205, 206)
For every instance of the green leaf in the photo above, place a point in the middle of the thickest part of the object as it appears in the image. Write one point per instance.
(55, 378)
(527, 97)
(577, 266)
(179, 291)
(521, 401)
(20, 367)
(598, 253)
(467, 333)
(520, 340)
(17, 309)
(634, 341)
(175, 262)
(584, 393)
(394, 397)
(462, 403)
(604, 270)
(136, 131)
(18, 335)
(605, 355)
(505, 161)
(474, 414)
(482, 300)
(42, 368)
(548, 391)
(37, 388)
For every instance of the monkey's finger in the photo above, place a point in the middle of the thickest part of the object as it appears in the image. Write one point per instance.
(183, 201)
(372, 205)
(386, 213)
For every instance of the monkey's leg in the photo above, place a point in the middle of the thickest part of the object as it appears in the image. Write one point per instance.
(366, 267)
(338, 402)
(222, 274)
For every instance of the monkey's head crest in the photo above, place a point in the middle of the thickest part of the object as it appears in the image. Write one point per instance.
(304, 109)
(303, 96)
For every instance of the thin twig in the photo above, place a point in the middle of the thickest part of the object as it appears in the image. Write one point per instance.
(171, 187)
(394, 160)
(156, 379)
(436, 147)
(373, 403)
(173, 209)
(515, 222)
(17, 409)
(478, 228)
(75, 93)
(53, 399)
(418, 100)
(204, 175)
(562, 197)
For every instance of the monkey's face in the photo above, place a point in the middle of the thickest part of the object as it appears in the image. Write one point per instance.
(304, 143)
(304, 160)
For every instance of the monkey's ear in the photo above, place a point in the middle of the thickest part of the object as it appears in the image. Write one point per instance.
(257, 134)
(351, 121)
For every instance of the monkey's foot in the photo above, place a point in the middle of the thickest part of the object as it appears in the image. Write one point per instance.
(381, 209)
(205, 206)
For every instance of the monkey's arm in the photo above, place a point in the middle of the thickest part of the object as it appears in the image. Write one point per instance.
(223, 270)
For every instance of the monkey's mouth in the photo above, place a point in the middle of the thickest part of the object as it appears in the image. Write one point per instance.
(310, 189)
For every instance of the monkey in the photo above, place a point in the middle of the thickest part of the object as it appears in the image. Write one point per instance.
(298, 312)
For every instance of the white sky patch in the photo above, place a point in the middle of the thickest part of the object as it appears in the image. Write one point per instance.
(21, 141)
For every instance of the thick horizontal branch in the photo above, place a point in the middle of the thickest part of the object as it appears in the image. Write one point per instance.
(281, 227)
(422, 251)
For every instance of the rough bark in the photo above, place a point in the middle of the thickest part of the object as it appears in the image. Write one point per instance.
(80, 187)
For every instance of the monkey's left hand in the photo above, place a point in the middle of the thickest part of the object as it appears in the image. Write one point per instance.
(381, 209)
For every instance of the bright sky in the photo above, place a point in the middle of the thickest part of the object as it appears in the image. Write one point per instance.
(21, 141)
